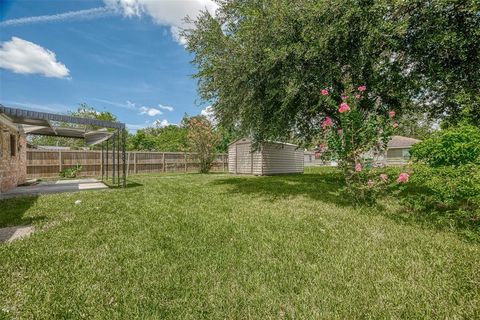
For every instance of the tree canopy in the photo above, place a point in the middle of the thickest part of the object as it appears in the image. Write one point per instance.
(262, 64)
(169, 138)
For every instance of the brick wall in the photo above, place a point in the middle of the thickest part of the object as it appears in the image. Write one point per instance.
(13, 169)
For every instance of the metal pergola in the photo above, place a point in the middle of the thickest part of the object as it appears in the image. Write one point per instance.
(42, 123)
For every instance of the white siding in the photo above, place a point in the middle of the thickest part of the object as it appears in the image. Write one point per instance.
(272, 158)
(279, 159)
(232, 154)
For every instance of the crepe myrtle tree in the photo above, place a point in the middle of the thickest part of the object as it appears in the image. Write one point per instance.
(202, 140)
(358, 127)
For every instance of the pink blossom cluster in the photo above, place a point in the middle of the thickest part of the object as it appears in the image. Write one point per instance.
(344, 107)
(324, 92)
(358, 167)
(327, 123)
(403, 177)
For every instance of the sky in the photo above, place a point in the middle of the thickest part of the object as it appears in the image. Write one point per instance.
(122, 56)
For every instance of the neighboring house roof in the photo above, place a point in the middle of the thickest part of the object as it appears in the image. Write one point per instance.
(398, 142)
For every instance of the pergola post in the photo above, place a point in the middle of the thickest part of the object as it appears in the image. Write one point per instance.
(118, 156)
(106, 156)
(113, 159)
(124, 153)
(101, 161)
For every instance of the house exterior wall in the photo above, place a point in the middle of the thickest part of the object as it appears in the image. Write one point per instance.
(272, 158)
(13, 169)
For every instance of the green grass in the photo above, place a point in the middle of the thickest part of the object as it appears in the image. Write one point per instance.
(188, 246)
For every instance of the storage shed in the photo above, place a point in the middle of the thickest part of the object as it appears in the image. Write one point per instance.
(271, 158)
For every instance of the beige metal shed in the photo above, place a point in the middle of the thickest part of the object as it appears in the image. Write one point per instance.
(271, 158)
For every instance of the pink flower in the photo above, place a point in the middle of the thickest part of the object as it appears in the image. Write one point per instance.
(391, 114)
(403, 177)
(384, 177)
(327, 123)
(362, 88)
(358, 96)
(344, 98)
(395, 125)
(344, 108)
(324, 92)
(358, 167)
(370, 183)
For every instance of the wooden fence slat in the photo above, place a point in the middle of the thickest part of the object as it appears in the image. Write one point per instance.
(48, 163)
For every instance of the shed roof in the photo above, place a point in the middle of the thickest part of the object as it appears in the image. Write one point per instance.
(397, 142)
(275, 142)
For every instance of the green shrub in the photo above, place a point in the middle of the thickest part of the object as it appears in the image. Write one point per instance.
(452, 147)
(447, 188)
(71, 172)
(450, 195)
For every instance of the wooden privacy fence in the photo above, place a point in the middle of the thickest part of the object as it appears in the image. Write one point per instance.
(48, 163)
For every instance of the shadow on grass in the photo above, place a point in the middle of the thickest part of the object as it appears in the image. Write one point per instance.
(130, 184)
(13, 210)
(319, 186)
(326, 187)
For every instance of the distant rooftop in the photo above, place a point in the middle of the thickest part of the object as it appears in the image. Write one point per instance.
(401, 142)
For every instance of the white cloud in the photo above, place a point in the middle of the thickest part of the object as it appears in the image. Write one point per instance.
(208, 112)
(21, 56)
(164, 12)
(161, 106)
(161, 123)
(126, 105)
(66, 16)
(152, 112)
(130, 105)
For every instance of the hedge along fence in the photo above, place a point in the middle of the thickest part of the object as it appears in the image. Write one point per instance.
(48, 163)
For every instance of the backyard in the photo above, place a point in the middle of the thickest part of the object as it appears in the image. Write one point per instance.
(190, 246)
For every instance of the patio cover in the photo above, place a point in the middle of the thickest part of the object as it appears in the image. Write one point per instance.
(91, 137)
(43, 123)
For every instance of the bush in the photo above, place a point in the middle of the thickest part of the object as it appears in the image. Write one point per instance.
(202, 140)
(452, 147)
(446, 188)
(449, 195)
(71, 172)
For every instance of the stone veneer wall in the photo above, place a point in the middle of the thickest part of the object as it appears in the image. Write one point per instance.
(13, 170)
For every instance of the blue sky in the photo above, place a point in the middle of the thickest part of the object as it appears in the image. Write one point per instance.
(116, 55)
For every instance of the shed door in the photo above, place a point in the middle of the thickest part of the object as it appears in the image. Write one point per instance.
(244, 159)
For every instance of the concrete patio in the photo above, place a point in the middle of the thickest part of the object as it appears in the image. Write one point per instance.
(54, 187)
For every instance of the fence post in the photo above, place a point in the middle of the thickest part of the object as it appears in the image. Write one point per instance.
(185, 160)
(223, 160)
(135, 162)
(60, 160)
(163, 160)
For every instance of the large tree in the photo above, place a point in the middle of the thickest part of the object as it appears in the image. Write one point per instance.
(169, 138)
(262, 63)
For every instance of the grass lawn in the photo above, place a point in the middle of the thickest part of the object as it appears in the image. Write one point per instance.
(189, 246)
